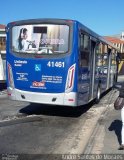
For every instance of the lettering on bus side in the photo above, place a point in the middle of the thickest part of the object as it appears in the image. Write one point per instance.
(84, 76)
(19, 63)
(57, 64)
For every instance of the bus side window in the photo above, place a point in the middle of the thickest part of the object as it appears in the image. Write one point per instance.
(99, 58)
(84, 50)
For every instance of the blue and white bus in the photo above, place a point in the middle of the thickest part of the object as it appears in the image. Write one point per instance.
(58, 62)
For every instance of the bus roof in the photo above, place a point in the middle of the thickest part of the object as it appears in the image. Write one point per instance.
(66, 21)
(97, 36)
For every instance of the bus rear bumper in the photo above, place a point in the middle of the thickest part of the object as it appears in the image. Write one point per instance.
(66, 99)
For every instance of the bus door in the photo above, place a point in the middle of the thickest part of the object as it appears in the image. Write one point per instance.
(92, 68)
(83, 78)
(109, 69)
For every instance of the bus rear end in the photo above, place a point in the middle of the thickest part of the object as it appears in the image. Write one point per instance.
(41, 64)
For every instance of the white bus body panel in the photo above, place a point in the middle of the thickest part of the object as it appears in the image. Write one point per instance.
(67, 99)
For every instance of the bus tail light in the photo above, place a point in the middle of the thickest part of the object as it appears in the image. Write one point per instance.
(71, 100)
(9, 94)
(70, 79)
(10, 76)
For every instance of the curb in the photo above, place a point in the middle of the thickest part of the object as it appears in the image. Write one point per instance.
(91, 125)
(90, 143)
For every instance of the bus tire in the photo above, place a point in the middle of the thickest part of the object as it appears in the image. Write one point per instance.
(98, 94)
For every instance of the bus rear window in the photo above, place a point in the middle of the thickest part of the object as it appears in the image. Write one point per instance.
(40, 39)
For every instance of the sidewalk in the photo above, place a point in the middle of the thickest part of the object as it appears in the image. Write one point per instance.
(112, 130)
(108, 135)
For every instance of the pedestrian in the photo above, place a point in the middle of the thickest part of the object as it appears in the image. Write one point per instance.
(121, 94)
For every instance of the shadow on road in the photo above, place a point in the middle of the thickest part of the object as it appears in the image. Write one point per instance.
(3, 86)
(116, 126)
(52, 110)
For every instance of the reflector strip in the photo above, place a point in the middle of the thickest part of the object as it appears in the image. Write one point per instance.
(70, 79)
(72, 76)
(71, 100)
(10, 75)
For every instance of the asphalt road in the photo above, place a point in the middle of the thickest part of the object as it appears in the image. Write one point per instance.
(42, 129)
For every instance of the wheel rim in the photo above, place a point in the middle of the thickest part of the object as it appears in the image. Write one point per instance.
(98, 93)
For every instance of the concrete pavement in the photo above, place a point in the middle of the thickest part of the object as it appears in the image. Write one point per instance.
(112, 129)
(107, 137)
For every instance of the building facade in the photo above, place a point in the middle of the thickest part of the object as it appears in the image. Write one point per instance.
(2, 38)
(2, 53)
(118, 41)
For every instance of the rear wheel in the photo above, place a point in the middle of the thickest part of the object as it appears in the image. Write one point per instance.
(98, 94)
(115, 78)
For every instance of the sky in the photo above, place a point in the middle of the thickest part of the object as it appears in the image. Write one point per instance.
(105, 17)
